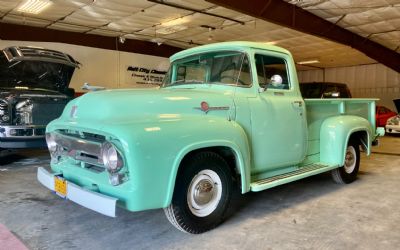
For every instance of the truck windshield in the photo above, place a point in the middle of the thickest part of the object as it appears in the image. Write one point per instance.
(229, 68)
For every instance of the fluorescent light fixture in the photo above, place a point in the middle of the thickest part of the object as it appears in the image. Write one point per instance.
(177, 21)
(34, 6)
(171, 29)
(173, 26)
(309, 61)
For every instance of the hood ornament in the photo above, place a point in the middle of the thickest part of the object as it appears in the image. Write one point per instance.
(206, 108)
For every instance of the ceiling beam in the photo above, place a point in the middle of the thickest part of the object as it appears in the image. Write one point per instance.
(291, 16)
(36, 34)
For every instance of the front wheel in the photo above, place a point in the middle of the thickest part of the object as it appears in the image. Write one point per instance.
(348, 172)
(202, 194)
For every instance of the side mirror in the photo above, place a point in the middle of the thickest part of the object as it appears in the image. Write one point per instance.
(276, 80)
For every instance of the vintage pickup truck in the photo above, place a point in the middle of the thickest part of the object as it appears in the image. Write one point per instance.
(227, 114)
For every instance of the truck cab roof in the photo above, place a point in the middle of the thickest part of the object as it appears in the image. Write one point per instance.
(237, 45)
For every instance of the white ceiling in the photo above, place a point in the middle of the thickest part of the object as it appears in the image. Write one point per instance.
(378, 20)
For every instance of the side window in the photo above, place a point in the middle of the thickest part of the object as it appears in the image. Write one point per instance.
(271, 72)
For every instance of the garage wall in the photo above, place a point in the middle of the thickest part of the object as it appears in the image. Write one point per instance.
(374, 80)
(102, 67)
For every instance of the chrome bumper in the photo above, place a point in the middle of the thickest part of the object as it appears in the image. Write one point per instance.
(22, 131)
(95, 201)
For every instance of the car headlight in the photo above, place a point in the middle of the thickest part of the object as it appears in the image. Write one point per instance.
(4, 112)
(112, 159)
(51, 143)
(5, 118)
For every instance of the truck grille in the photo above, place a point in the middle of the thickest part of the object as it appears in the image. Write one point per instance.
(43, 113)
(81, 146)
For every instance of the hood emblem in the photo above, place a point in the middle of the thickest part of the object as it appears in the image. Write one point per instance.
(205, 107)
(74, 109)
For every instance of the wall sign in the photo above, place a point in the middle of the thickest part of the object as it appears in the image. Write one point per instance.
(142, 75)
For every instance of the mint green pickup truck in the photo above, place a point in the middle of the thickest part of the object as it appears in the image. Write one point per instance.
(227, 115)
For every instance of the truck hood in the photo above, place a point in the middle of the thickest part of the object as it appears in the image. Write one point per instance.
(145, 105)
(35, 68)
(397, 104)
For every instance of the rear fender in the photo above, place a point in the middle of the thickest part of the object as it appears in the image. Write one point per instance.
(335, 134)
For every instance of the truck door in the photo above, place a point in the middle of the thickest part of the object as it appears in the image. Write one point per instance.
(279, 129)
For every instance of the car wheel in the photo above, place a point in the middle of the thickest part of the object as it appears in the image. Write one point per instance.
(348, 172)
(202, 194)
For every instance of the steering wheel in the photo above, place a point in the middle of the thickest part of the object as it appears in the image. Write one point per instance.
(233, 78)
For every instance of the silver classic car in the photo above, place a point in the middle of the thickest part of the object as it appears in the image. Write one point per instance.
(33, 91)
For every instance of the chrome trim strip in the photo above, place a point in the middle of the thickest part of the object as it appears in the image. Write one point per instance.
(44, 96)
(6, 133)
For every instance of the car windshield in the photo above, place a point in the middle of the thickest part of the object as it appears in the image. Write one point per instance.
(229, 68)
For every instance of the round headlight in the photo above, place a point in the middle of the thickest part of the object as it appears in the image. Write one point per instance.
(111, 157)
(5, 118)
(51, 143)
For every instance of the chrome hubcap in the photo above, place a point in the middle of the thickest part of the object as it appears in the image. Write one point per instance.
(350, 160)
(204, 193)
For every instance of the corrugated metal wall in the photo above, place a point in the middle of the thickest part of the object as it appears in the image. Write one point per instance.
(374, 80)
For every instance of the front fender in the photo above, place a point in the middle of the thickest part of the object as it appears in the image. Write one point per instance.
(335, 133)
(214, 133)
(153, 151)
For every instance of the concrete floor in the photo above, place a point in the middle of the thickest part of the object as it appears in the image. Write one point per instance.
(313, 213)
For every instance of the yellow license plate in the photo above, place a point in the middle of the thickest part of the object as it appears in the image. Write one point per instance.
(60, 186)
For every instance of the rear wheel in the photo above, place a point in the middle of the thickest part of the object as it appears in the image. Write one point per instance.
(348, 172)
(202, 194)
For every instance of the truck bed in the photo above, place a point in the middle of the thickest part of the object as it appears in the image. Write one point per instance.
(318, 110)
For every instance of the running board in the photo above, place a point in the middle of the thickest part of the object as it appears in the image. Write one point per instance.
(303, 172)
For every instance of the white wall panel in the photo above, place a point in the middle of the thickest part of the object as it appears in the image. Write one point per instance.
(311, 76)
(371, 81)
(101, 67)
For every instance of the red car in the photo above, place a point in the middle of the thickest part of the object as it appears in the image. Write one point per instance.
(382, 115)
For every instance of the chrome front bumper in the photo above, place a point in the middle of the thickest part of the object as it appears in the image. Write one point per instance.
(95, 201)
(22, 131)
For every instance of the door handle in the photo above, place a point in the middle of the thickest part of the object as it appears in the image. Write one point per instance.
(297, 104)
